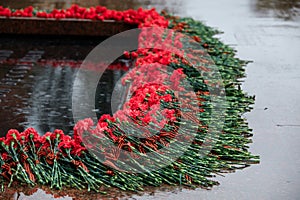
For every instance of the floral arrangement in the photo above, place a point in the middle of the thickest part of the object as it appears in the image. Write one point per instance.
(157, 80)
(140, 17)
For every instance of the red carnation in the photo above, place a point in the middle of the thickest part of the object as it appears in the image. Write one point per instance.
(32, 133)
(12, 135)
(81, 127)
(59, 134)
(167, 98)
(4, 156)
(107, 118)
(126, 54)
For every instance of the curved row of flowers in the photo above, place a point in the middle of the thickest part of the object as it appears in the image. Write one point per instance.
(59, 160)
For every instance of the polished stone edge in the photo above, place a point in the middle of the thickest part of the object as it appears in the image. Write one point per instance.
(61, 27)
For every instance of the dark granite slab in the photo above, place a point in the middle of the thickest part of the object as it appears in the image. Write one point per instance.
(62, 27)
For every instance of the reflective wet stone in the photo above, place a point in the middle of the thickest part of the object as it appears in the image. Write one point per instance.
(28, 59)
(16, 71)
(12, 83)
(36, 52)
(4, 90)
(15, 76)
(3, 58)
(32, 56)
(6, 52)
(10, 79)
(23, 67)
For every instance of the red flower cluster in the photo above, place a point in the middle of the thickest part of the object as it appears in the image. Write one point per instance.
(158, 48)
(6, 12)
(30, 137)
(145, 106)
(141, 17)
(100, 130)
(26, 12)
(149, 69)
(26, 150)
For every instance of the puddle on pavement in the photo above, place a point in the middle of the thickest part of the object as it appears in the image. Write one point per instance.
(283, 9)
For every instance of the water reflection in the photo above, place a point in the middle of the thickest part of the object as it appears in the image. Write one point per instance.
(39, 94)
(284, 9)
(50, 99)
(17, 192)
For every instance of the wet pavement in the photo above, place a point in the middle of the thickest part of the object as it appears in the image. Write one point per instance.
(268, 33)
